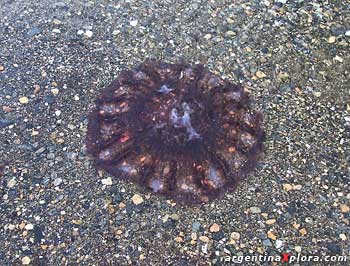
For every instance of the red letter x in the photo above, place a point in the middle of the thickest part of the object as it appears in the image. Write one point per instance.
(285, 257)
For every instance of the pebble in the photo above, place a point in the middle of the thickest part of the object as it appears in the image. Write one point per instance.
(343, 237)
(344, 208)
(331, 39)
(56, 31)
(297, 187)
(29, 227)
(214, 228)
(133, 23)
(23, 100)
(267, 243)
(7, 109)
(303, 231)
(271, 235)
(230, 20)
(337, 29)
(196, 226)
(334, 248)
(107, 181)
(40, 150)
(49, 99)
(204, 239)
(260, 74)
(87, 27)
(270, 221)
(317, 94)
(11, 227)
(33, 31)
(298, 249)
(279, 243)
(38, 234)
(55, 91)
(57, 182)
(338, 58)
(179, 239)
(36, 88)
(175, 216)
(230, 33)
(296, 226)
(71, 126)
(50, 156)
(287, 187)
(56, 21)
(12, 183)
(207, 36)
(2, 68)
(255, 210)
(22, 225)
(137, 199)
(88, 33)
(235, 236)
(5, 123)
(194, 236)
(25, 260)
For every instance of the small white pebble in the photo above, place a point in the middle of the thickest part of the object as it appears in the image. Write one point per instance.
(107, 181)
(338, 58)
(235, 236)
(137, 199)
(297, 249)
(29, 227)
(88, 33)
(80, 32)
(57, 112)
(331, 39)
(11, 227)
(55, 91)
(57, 182)
(207, 36)
(56, 21)
(343, 237)
(23, 100)
(133, 23)
(71, 126)
(25, 260)
(12, 183)
(279, 244)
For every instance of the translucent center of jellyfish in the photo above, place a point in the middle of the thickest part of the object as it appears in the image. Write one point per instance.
(165, 89)
(184, 121)
(214, 176)
(156, 185)
(128, 169)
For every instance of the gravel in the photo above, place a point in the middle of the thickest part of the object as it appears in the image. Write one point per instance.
(55, 57)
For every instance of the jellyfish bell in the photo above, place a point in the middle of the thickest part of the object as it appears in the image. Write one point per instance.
(177, 130)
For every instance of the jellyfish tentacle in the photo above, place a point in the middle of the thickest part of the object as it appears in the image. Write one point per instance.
(93, 138)
(111, 131)
(116, 149)
(130, 166)
(159, 181)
